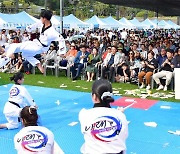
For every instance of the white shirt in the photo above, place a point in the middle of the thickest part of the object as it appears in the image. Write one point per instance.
(34, 140)
(82, 59)
(105, 130)
(124, 35)
(3, 39)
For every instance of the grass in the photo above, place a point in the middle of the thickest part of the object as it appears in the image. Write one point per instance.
(55, 82)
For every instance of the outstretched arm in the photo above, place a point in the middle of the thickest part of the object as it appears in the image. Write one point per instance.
(33, 27)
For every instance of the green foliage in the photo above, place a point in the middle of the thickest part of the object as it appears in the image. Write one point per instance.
(83, 9)
(144, 12)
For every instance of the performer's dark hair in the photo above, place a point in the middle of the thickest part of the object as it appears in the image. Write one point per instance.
(46, 14)
(29, 115)
(17, 76)
(101, 86)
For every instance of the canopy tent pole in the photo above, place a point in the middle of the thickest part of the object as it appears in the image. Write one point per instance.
(61, 16)
(17, 6)
(178, 20)
(45, 4)
(157, 15)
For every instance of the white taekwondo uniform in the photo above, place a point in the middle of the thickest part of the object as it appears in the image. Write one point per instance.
(19, 97)
(105, 130)
(34, 139)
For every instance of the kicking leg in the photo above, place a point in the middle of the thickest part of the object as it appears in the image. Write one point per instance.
(39, 65)
(35, 62)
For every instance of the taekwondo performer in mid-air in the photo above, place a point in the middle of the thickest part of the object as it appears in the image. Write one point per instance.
(30, 48)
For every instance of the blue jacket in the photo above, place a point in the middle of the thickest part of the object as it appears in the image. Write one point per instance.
(77, 58)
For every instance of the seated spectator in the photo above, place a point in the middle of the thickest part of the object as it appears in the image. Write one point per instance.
(176, 60)
(165, 71)
(93, 60)
(108, 50)
(162, 57)
(123, 73)
(102, 121)
(79, 61)
(147, 70)
(131, 63)
(25, 37)
(71, 54)
(121, 55)
(154, 49)
(51, 55)
(110, 62)
(143, 52)
(19, 64)
(11, 66)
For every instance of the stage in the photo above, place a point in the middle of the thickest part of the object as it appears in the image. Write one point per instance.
(149, 121)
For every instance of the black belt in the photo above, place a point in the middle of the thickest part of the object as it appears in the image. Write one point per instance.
(117, 153)
(15, 104)
(42, 43)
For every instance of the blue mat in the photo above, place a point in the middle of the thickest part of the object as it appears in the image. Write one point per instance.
(141, 140)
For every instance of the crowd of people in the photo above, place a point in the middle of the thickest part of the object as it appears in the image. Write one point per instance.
(120, 56)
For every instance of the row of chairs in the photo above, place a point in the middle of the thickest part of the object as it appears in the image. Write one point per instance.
(56, 68)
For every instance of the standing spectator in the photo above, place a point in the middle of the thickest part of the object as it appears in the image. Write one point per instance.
(3, 37)
(124, 34)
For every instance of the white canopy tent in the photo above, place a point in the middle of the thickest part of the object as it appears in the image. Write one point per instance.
(126, 22)
(138, 24)
(71, 22)
(149, 24)
(96, 22)
(113, 23)
(19, 20)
